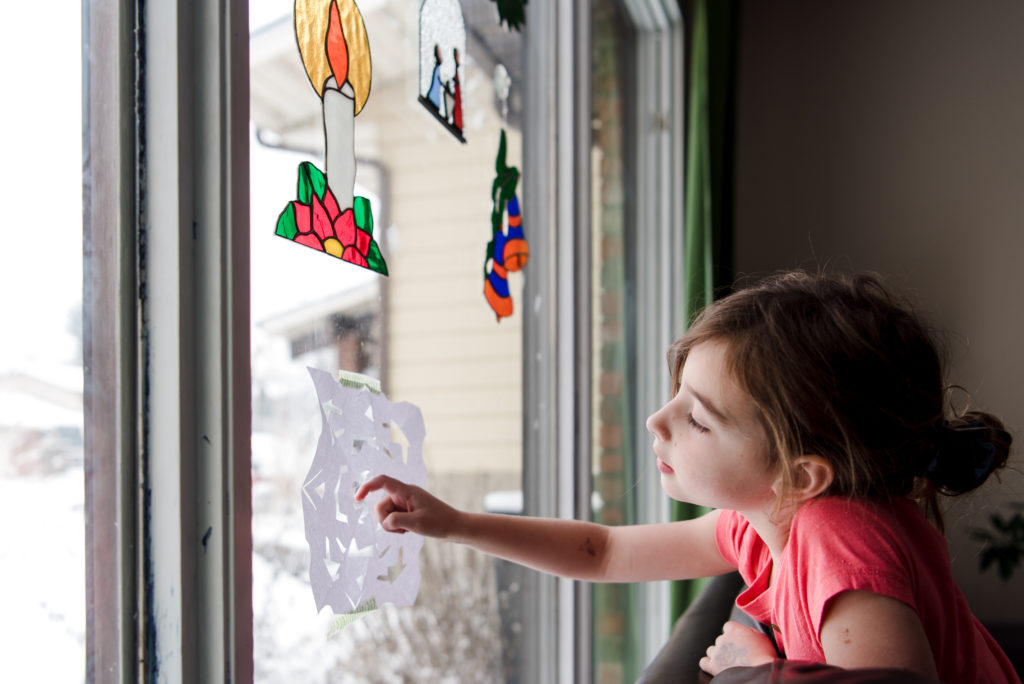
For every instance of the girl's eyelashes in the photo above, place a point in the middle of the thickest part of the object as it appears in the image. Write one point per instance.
(695, 425)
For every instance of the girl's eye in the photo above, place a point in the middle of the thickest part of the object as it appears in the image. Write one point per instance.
(695, 425)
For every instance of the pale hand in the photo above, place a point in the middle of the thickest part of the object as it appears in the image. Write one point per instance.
(737, 645)
(408, 508)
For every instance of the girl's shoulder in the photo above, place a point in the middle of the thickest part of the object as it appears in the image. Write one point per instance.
(900, 522)
(827, 509)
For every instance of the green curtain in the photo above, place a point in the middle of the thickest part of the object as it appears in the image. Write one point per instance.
(698, 287)
(708, 214)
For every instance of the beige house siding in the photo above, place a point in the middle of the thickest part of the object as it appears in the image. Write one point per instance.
(445, 352)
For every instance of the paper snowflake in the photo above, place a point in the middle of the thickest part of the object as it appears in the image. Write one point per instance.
(354, 563)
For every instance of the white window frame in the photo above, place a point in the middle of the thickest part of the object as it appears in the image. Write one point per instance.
(169, 578)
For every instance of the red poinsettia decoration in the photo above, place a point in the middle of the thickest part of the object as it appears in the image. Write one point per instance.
(322, 226)
(315, 220)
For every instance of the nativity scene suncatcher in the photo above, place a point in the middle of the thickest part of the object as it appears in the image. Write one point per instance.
(442, 54)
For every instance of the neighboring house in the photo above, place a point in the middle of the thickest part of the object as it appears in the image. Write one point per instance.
(40, 420)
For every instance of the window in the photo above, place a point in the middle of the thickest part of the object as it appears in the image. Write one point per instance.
(426, 331)
(198, 541)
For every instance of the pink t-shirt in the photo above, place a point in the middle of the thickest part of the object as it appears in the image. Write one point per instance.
(837, 545)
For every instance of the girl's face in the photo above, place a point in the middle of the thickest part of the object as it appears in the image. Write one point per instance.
(711, 448)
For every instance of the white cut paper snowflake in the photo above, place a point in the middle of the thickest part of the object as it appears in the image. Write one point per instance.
(354, 563)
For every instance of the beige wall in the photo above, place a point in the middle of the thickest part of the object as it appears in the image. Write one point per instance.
(889, 136)
(446, 353)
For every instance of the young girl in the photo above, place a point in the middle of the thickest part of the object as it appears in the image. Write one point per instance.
(811, 413)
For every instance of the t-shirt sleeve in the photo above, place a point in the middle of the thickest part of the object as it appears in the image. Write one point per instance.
(850, 549)
(728, 535)
(740, 545)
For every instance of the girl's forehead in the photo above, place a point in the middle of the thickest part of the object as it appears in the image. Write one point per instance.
(709, 360)
(708, 376)
(706, 370)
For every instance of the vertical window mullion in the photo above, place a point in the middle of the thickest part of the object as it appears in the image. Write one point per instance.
(196, 567)
(539, 661)
(556, 469)
(575, 269)
(238, 381)
(109, 334)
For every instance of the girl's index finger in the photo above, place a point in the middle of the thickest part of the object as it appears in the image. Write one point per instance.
(373, 484)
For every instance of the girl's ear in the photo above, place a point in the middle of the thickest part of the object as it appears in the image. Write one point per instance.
(813, 476)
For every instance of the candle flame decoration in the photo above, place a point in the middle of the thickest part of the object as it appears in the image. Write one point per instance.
(332, 41)
(326, 216)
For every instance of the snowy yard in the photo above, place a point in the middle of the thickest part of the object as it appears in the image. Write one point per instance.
(450, 635)
(42, 561)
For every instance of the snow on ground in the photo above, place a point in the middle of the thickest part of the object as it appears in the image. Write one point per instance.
(42, 562)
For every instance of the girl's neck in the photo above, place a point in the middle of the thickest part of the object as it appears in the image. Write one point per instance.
(772, 526)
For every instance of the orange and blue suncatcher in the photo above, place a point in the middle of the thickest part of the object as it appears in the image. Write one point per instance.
(507, 251)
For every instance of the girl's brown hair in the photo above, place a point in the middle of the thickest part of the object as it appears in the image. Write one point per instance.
(838, 368)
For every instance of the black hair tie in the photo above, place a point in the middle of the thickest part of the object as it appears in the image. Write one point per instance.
(963, 460)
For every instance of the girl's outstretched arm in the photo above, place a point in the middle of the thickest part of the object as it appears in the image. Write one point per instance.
(568, 548)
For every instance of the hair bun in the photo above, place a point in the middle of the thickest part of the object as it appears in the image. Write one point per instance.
(969, 450)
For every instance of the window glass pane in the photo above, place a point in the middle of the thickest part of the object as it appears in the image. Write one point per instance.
(614, 419)
(41, 483)
(426, 331)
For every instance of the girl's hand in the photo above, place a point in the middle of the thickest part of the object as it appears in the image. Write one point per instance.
(407, 508)
(738, 645)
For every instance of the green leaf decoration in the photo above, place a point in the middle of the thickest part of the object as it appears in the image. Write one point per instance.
(305, 192)
(375, 259)
(499, 159)
(363, 214)
(512, 12)
(311, 182)
(286, 225)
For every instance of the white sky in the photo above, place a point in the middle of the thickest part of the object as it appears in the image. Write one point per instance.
(40, 182)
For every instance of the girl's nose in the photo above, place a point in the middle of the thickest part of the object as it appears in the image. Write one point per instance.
(656, 424)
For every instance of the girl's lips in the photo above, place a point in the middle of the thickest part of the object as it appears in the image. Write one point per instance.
(665, 467)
